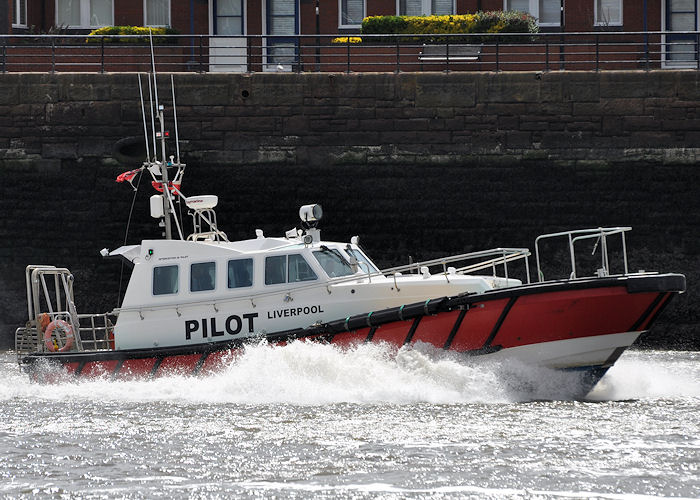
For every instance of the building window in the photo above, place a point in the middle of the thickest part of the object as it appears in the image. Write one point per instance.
(165, 280)
(352, 12)
(228, 17)
(85, 13)
(19, 17)
(156, 12)
(608, 12)
(547, 12)
(425, 7)
(681, 15)
(202, 276)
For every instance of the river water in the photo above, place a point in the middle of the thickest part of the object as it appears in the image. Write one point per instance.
(310, 420)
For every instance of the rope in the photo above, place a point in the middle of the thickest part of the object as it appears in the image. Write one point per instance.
(126, 234)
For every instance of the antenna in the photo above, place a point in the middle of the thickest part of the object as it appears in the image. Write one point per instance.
(143, 114)
(153, 65)
(165, 182)
(177, 138)
(153, 120)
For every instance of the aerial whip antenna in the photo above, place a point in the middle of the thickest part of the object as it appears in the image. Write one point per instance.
(177, 137)
(153, 121)
(143, 115)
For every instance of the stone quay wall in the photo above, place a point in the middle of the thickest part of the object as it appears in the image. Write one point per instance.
(416, 163)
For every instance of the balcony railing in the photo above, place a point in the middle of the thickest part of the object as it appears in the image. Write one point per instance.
(590, 51)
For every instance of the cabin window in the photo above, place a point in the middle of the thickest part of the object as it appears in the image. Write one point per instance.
(365, 264)
(202, 276)
(19, 16)
(157, 12)
(276, 270)
(287, 269)
(608, 12)
(333, 263)
(299, 270)
(240, 273)
(165, 280)
(352, 12)
(85, 13)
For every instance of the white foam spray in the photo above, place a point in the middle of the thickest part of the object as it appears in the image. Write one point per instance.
(315, 374)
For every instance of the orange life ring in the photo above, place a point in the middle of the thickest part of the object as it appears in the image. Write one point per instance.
(66, 328)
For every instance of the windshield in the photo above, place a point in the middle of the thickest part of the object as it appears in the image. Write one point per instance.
(364, 262)
(333, 263)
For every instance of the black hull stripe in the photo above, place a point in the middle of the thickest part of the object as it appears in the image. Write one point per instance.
(117, 369)
(412, 330)
(500, 321)
(79, 369)
(659, 310)
(156, 365)
(370, 334)
(646, 313)
(455, 328)
(200, 363)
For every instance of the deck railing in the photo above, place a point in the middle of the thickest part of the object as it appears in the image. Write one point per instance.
(598, 51)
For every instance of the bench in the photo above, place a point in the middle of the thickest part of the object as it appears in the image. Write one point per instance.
(449, 53)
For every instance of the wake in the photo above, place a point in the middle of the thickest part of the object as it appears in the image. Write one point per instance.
(304, 373)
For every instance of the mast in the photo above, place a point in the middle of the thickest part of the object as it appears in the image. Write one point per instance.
(164, 175)
(163, 161)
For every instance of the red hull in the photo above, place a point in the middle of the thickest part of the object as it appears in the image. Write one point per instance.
(472, 324)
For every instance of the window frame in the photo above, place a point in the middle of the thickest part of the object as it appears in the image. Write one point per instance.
(170, 15)
(192, 264)
(153, 280)
(336, 252)
(215, 17)
(85, 15)
(252, 273)
(16, 20)
(340, 15)
(286, 270)
(598, 23)
(534, 10)
(426, 8)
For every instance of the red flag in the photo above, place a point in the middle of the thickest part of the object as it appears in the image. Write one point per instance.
(128, 176)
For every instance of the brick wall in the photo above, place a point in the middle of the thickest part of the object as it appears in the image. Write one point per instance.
(416, 164)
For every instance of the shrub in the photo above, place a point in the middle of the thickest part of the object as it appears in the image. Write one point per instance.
(479, 22)
(111, 34)
(347, 39)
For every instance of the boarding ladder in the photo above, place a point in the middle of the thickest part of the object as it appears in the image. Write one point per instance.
(50, 293)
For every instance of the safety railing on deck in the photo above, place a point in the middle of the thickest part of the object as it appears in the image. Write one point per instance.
(601, 236)
(599, 50)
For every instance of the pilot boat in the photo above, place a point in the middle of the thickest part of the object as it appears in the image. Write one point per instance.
(193, 302)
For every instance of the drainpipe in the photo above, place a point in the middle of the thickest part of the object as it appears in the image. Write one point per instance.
(562, 55)
(646, 34)
(192, 27)
(318, 38)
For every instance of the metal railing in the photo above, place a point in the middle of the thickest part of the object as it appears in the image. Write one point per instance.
(592, 51)
(601, 235)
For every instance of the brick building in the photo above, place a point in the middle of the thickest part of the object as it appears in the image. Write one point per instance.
(294, 17)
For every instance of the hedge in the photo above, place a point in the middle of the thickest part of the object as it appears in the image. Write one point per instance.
(111, 34)
(479, 22)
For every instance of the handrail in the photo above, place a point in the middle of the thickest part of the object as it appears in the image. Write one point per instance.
(581, 234)
(594, 50)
